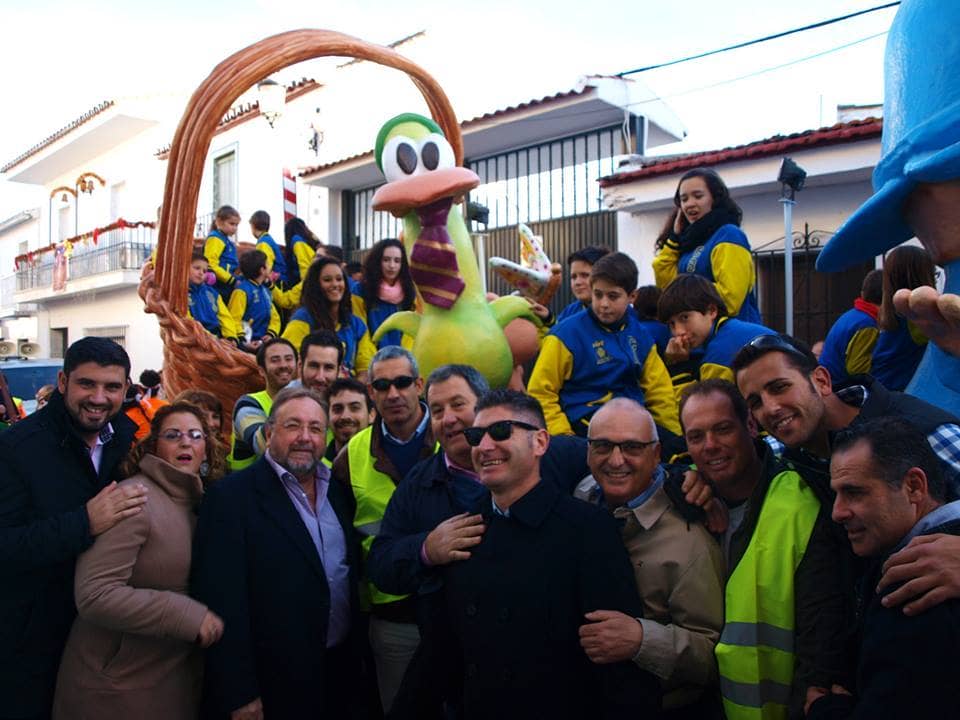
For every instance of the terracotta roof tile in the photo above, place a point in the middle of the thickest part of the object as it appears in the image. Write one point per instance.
(93, 112)
(778, 144)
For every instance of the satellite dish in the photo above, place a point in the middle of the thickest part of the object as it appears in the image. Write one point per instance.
(7, 349)
(28, 349)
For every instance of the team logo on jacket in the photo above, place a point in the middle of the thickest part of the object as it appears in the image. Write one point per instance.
(601, 353)
(634, 349)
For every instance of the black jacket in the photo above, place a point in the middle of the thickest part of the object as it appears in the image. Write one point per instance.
(46, 479)
(907, 665)
(255, 565)
(516, 606)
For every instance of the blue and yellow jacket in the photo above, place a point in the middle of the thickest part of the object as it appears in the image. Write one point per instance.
(303, 255)
(205, 305)
(848, 349)
(358, 350)
(570, 310)
(250, 302)
(583, 363)
(276, 261)
(726, 339)
(221, 254)
(375, 319)
(659, 332)
(897, 355)
(725, 260)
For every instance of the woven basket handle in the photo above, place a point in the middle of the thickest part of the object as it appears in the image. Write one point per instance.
(214, 97)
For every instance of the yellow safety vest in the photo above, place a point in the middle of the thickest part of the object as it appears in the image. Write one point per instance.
(372, 490)
(755, 653)
(264, 400)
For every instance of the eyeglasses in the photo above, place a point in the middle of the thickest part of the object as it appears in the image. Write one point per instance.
(633, 448)
(500, 430)
(401, 382)
(777, 342)
(172, 435)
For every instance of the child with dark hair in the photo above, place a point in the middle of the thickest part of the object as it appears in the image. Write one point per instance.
(276, 261)
(646, 308)
(697, 317)
(848, 347)
(251, 304)
(581, 263)
(600, 354)
(220, 250)
(301, 249)
(204, 303)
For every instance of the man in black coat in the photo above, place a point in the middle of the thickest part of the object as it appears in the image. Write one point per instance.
(57, 492)
(890, 490)
(275, 556)
(545, 560)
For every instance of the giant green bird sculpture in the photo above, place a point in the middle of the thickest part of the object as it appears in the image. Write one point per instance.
(458, 325)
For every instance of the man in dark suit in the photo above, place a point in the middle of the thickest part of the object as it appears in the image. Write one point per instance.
(545, 560)
(274, 556)
(57, 493)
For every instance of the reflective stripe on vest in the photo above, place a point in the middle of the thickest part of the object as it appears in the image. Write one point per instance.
(755, 653)
(372, 490)
(264, 400)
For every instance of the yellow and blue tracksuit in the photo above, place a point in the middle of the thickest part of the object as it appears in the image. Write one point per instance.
(659, 332)
(725, 260)
(376, 317)
(251, 303)
(583, 364)
(301, 257)
(897, 355)
(358, 350)
(570, 310)
(848, 349)
(221, 254)
(726, 339)
(205, 305)
(276, 261)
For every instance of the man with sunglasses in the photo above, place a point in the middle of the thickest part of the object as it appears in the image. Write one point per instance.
(786, 625)
(544, 562)
(373, 463)
(677, 566)
(429, 524)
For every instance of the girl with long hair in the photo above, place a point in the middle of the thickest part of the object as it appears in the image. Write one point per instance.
(134, 649)
(703, 236)
(325, 304)
(387, 287)
(301, 248)
(900, 345)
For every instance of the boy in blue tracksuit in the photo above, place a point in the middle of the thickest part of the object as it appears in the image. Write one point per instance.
(204, 303)
(276, 259)
(848, 349)
(251, 304)
(580, 263)
(697, 317)
(600, 354)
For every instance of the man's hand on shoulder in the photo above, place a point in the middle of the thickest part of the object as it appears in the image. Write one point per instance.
(113, 504)
(610, 636)
(929, 568)
(449, 541)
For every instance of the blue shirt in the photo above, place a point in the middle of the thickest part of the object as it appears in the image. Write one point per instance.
(327, 534)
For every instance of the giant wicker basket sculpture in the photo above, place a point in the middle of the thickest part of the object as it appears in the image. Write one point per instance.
(193, 357)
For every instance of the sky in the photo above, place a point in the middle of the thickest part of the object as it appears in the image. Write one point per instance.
(63, 58)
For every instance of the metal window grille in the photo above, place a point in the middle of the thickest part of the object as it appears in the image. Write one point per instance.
(117, 333)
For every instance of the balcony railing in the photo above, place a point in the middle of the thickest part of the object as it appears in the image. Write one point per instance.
(120, 249)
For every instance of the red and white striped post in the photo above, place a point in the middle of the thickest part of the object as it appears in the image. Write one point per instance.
(289, 195)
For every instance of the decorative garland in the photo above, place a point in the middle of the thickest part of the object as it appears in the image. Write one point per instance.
(67, 245)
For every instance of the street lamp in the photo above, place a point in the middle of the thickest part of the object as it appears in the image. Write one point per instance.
(272, 98)
(791, 179)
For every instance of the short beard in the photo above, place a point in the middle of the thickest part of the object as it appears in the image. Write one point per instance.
(301, 469)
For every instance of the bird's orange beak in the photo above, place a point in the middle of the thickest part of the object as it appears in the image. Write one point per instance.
(401, 196)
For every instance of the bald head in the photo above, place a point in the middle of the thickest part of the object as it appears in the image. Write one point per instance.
(630, 415)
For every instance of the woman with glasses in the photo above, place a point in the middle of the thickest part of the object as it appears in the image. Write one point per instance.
(134, 649)
(325, 304)
(703, 236)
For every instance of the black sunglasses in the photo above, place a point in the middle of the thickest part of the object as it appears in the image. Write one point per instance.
(400, 382)
(500, 430)
(776, 342)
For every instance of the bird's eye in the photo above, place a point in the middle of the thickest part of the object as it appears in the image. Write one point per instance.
(400, 158)
(435, 152)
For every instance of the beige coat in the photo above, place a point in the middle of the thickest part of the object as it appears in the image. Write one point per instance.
(132, 651)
